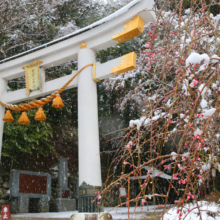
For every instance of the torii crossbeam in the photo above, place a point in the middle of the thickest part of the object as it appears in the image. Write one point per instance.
(95, 37)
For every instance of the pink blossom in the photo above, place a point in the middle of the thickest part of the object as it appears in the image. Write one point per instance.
(128, 146)
(130, 143)
(193, 83)
(187, 93)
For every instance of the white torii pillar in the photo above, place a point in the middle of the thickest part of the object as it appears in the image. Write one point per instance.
(88, 129)
(3, 89)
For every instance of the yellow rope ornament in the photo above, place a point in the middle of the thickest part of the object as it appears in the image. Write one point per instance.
(44, 101)
(58, 103)
(94, 73)
(24, 120)
(40, 116)
(8, 116)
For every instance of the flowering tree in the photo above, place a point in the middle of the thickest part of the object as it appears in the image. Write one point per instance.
(175, 89)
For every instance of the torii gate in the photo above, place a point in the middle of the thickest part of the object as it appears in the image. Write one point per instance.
(81, 44)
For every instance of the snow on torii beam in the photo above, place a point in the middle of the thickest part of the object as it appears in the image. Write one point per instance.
(97, 36)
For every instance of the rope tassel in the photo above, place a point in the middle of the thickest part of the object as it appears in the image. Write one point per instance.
(24, 120)
(8, 116)
(40, 116)
(58, 102)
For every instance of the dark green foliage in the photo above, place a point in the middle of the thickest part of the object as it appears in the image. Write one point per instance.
(83, 12)
(25, 144)
(120, 49)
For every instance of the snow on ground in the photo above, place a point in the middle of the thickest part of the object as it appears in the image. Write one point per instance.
(117, 213)
(135, 213)
(209, 211)
(45, 215)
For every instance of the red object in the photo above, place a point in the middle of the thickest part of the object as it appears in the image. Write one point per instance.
(32, 184)
(65, 194)
(6, 212)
